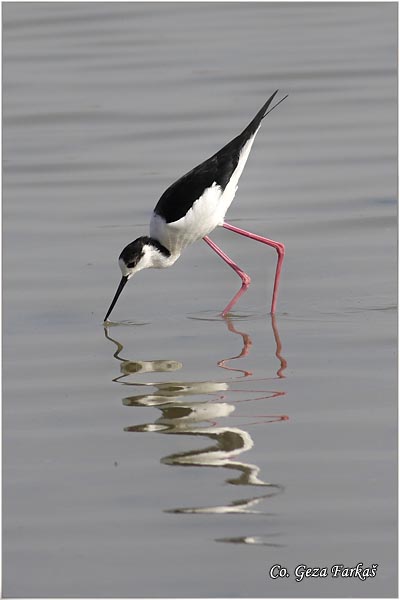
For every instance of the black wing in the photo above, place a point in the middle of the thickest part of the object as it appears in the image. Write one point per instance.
(181, 195)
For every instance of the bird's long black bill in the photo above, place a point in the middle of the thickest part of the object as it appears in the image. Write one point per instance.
(117, 294)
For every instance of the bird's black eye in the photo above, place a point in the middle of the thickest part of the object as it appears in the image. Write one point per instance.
(131, 265)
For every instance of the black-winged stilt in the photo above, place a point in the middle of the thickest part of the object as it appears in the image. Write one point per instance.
(194, 206)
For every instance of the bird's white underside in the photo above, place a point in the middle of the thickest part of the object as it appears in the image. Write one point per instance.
(207, 212)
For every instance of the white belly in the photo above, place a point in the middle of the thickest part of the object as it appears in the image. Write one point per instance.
(205, 214)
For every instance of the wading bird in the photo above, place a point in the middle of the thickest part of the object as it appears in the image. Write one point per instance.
(194, 206)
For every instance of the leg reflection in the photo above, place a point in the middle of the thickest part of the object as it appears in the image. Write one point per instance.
(194, 408)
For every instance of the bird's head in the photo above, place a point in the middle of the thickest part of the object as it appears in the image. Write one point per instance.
(143, 253)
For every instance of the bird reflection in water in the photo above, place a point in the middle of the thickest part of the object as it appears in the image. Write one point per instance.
(182, 416)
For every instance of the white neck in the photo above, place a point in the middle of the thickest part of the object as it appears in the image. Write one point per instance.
(155, 259)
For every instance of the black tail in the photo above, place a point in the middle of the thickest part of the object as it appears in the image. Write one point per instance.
(263, 112)
(275, 105)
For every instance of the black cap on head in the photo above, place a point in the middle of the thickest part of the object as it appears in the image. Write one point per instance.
(133, 252)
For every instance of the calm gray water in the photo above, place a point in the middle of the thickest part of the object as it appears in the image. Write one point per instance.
(287, 427)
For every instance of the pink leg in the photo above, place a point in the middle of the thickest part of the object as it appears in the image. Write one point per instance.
(279, 247)
(243, 276)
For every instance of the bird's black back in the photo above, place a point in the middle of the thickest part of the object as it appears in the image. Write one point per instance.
(181, 195)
